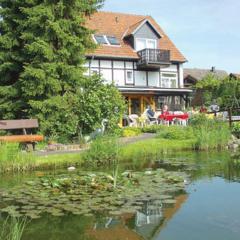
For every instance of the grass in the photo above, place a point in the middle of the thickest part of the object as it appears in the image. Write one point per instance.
(146, 149)
(207, 139)
(202, 134)
(153, 148)
(14, 160)
(56, 161)
(12, 229)
(102, 151)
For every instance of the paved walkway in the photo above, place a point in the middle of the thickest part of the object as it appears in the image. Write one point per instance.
(125, 140)
(138, 138)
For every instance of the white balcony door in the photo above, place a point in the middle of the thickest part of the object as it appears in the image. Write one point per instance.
(151, 44)
(142, 43)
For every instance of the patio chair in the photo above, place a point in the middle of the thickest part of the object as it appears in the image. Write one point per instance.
(179, 121)
(133, 120)
(152, 120)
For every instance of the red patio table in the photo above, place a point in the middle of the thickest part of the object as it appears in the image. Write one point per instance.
(171, 117)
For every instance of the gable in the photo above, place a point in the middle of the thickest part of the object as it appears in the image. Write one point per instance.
(146, 31)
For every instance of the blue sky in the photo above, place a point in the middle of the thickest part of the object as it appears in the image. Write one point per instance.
(206, 31)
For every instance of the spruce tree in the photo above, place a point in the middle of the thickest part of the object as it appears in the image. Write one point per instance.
(42, 51)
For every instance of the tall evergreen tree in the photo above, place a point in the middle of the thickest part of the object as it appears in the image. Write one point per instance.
(42, 51)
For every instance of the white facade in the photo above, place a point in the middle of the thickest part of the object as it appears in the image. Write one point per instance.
(125, 73)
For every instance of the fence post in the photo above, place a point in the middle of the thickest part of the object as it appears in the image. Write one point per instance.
(230, 116)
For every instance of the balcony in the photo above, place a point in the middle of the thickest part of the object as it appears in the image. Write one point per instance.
(153, 58)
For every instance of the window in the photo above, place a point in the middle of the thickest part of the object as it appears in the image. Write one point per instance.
(113, 40)
(174, 102)
(106, 75)
(118, 76)
(129, 77)
(100, 39)
(142, 43)
(108, 40)
(160, 102)
(140, 78)
(168, 80)
(151, 44)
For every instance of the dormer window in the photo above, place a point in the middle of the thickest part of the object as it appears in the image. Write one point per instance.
(143, 43)
(107, 40)
(100, 39)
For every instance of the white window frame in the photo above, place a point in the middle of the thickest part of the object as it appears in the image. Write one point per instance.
(107, 42)
(166, 82)
(147, 40)
(93, 36)
(131, 82)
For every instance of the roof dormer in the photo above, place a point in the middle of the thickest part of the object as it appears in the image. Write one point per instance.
(143, 28)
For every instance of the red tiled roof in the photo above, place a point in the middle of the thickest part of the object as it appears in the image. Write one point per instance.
(132, 28)
(120, 25)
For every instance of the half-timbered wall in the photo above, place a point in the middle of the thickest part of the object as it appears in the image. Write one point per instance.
(125, 73)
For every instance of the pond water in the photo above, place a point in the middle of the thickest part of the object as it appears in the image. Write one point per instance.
(207, 209)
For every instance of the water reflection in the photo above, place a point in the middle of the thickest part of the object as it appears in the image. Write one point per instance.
(145, 224)
(213, 176)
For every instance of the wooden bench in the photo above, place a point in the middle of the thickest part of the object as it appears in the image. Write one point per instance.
(28, 140)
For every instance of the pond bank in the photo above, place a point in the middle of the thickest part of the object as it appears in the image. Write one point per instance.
(122, 140)
(15, 161)
(147, 146)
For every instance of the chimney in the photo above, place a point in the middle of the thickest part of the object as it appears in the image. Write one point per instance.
(116, 19)
(213, 69)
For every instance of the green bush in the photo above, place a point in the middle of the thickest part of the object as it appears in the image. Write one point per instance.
(199, 120)
(152, 128)
(104, 150)
(118, 131)
(131, 132)
(205, 133)
(176, 133)
(236, 127)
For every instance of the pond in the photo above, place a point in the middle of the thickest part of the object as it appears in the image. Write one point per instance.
(182, 195)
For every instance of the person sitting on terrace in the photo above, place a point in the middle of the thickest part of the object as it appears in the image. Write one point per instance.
(165, 110)
(203, 109)
(150, 114)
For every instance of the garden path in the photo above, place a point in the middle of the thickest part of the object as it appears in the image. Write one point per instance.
(123, 140)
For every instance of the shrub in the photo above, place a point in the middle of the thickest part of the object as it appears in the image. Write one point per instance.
(236, 127)
(118, 131)
(176, 133)
(152, 128)
(199, 119)
(131, 132)
(104, 150)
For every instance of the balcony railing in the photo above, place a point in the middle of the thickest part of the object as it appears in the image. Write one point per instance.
(153, 58)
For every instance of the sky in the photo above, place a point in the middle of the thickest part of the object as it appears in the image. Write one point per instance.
(207, 32)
